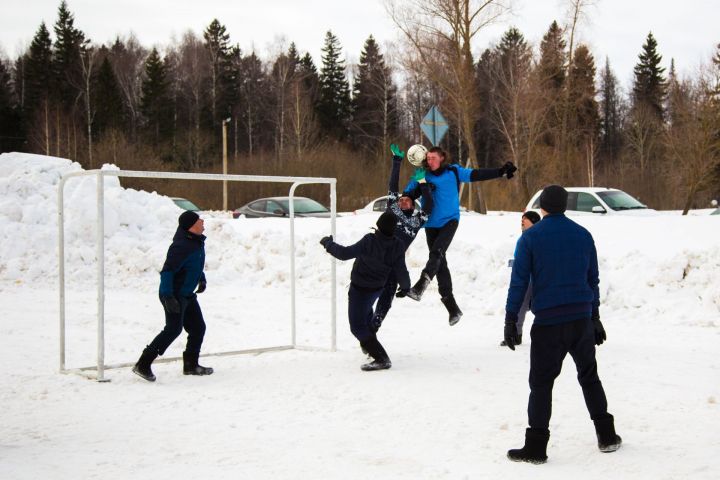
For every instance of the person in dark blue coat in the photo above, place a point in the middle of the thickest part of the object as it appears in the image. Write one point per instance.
(560, 257)
(180, 275)
(443, 221)
(409, 222)
(376, 256)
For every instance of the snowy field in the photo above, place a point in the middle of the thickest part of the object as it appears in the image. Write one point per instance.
(450, 407)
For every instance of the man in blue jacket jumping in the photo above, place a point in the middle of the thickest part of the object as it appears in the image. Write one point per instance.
(560, 257)
(181, 273)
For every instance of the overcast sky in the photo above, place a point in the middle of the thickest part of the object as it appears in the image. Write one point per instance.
(687, 30)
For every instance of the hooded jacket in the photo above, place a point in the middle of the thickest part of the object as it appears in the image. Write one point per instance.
(184, 265)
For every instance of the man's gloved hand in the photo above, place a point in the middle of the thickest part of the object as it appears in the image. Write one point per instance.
(202, 285)
(508, 170)
(419, 175)
(401, 293)
(396, 151)
(510, 332)
(600, 335)
(170, 303)
(325, 240)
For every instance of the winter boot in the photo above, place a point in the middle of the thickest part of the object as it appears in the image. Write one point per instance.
(376, 365)
(535, 448)
(452, 309)
(142, 367)
(417, 290)
(191, 367)
(608, 440)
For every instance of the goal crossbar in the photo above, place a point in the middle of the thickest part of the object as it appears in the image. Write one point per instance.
(100, 252)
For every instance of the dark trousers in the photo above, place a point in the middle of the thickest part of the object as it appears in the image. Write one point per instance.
(438, 241)
(190, 318)
(387, 296)
(550, 344)
(360, 313)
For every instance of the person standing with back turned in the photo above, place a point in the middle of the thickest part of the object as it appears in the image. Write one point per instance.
(560, 257)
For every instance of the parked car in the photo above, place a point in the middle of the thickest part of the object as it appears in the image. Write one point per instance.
(596, 200)
(715, 212)
(280, 207)
(185, 204)
(379, 205)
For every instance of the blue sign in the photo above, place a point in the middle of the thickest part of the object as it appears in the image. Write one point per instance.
(434, 125)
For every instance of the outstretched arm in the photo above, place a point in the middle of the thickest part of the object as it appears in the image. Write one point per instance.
(345, 253)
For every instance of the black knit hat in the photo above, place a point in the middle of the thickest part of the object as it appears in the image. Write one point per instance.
(187, 219)
(553, 199)
(532, 215)
(386, 223)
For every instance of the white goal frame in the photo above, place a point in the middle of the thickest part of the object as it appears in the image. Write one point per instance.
(100, 252)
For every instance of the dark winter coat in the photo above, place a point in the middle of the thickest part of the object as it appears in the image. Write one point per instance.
(560, 257)
(184, 265)
(376, 255)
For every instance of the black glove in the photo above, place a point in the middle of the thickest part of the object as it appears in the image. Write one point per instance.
(202, 285)
(600, 335)
(401, 293)
(510, 332)
(325, 240)
(170, 303)
(508, 170)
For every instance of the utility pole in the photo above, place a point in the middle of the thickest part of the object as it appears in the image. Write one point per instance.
(225, 170)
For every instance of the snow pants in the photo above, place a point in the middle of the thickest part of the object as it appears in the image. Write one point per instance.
(549, 345)
(360, 313)
(190, 318)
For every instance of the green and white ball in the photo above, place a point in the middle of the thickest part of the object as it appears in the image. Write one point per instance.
(416, 155)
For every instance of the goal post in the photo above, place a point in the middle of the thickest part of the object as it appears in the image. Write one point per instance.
(100, 253)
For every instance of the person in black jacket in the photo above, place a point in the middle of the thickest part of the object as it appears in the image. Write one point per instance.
(376, 256)
(560, 257)
(181, 273)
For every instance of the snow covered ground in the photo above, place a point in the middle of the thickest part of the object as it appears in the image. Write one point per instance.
(450, 407)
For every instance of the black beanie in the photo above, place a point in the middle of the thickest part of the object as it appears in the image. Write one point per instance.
(386, 223)
(187, 219)
(553, 199)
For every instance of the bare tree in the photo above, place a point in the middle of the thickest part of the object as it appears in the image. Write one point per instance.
(88, 57)
(128, 60)
(442, 31)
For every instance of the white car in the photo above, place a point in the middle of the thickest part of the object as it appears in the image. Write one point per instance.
(597, 201)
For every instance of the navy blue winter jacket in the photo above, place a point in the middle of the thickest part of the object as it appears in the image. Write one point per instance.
(560, 257)
(184, 265)
(375, 257)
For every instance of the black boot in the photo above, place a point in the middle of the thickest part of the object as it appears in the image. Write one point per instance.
(535, 448)
(452, 309)
(608, 440)
(142, 367)
(417, 290)
(381, 361)
(191, 367)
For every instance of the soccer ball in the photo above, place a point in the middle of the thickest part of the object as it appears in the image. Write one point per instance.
(416, 155)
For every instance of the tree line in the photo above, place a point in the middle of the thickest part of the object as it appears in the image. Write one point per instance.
(548, 108)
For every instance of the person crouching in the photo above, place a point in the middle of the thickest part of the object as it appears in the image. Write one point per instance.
(376, 256)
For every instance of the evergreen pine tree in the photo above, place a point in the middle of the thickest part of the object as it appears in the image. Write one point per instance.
(584, 114)
(374, 104)
(39, 82)
(217, 43)
(66, 56)
(334, 106)
(107, 99)
(155, 102)
(649, 88)
(309, 75)
(9, 119)
(611, 114)
(252, 99)
(553, 57)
